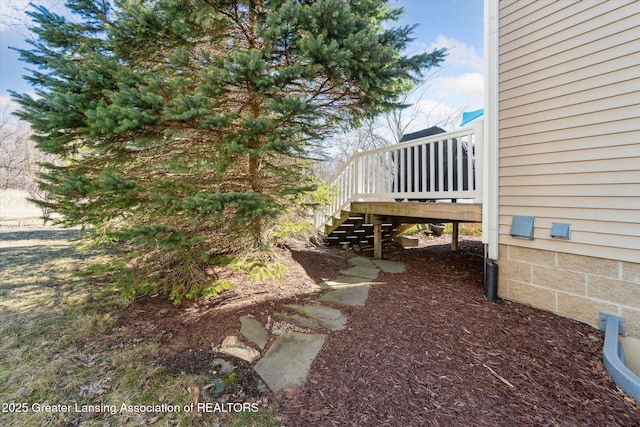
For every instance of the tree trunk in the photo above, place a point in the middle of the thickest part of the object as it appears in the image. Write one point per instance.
(255, 178)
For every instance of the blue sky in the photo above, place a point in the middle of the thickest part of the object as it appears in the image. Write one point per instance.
(454, 24)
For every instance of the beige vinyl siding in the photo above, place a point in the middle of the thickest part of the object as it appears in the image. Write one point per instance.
(569, 124)
(569, 30)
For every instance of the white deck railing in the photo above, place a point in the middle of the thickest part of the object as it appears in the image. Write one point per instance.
(445, 166)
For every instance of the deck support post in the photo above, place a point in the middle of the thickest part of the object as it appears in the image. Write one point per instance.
(377, 236)
(454, 236)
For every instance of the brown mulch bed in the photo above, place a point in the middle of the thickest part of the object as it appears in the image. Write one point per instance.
(427, 349)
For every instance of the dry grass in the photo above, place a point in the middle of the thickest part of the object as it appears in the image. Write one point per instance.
(56, 347)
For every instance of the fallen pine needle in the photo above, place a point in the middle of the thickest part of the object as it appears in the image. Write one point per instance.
(500, 377)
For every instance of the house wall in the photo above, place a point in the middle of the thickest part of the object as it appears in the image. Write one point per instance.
(569, 152)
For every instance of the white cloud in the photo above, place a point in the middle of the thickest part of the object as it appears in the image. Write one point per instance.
(465, 90)
(459, 54)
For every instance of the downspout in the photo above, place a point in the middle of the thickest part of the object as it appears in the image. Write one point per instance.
(490, 137)
(490, 157)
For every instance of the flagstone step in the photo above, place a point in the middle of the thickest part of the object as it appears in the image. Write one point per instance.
(364, 272)
(298, 320)
(253, 331)
(328, 317)
(389, 266)
(353, 295)
(288, 360)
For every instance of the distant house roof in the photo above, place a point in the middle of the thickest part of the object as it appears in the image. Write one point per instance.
(433, 130)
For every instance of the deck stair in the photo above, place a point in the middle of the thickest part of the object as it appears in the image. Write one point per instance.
(353, 228)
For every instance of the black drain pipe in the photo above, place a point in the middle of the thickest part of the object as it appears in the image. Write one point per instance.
(490, 278)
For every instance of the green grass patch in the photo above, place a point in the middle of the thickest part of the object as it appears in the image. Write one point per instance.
(264, 418)
(59, 364)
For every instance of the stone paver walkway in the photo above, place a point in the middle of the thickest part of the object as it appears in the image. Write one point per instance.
(287, 361)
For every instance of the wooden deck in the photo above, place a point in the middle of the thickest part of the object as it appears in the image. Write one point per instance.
(428, 174)
(417, 212)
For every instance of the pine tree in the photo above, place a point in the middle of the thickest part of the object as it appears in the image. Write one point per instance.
(186, 124)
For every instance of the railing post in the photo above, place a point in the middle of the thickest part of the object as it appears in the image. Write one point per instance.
(358, 175)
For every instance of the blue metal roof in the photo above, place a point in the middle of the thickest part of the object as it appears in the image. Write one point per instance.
(471, 116)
